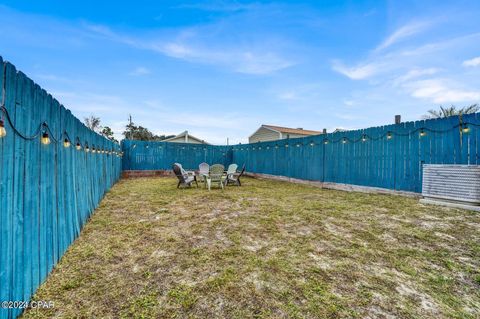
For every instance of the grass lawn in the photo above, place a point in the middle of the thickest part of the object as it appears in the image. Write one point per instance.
(266, 250)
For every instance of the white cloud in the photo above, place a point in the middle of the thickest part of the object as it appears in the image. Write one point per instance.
(139, 71)
(472, 62)
(414, 74)
(438, 91)
(288, 96)
(358, 72)
(253, 57)
(404, 32)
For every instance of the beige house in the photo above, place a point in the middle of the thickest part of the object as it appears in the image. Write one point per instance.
(273, 133)
(184, 137)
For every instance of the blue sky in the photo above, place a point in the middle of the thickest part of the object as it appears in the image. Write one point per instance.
(221, 68)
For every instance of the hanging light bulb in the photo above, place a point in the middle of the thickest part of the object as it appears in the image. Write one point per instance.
(66, 143)
(312, 144)
(465, 129)
(45, 138)
(94, 150)
(344, 140)
(298, 145)
(422, 132)
(78, 146)
(389, 135)
(87, 149)
(325, 142)
(3, 131)
(286, 145)
(364, 138)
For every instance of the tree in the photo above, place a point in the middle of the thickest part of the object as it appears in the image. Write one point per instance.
(134, 132)
(93, 123)
(108, 133)
(451, 111)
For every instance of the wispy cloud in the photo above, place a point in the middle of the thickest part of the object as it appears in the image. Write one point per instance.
(414, 74)
(404, 32)
(440, 91)
(139, 71)
(359, 72)
(192, 45)
(472, 62)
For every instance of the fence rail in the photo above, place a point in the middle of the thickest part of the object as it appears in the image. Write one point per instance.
(142, 155)
(47, 192)
(388, 157)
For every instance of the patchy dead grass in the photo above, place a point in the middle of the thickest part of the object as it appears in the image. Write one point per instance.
(266, 250)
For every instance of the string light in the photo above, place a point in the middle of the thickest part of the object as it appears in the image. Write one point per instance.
(3, 131)
(298, 145)
(66, 143)
(312, 144)
(344, 140)
(422, 132)
(78, 146)
(325, 142)
(389, 135)
(364, 138)
(87, 149)
(45, 138)
(465, 128)
(93, 150)
(286, 145)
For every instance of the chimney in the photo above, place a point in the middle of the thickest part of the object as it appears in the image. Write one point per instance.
(398, 119)
(324, 131)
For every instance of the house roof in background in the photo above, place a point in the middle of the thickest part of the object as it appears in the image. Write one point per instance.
(183, 134)
(290, 130)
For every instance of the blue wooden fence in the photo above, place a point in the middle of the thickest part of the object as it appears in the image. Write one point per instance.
(47, 192)
(141, 155)
(387, 156)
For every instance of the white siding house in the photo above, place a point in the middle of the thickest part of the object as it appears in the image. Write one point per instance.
(273, 133)
(184, 137)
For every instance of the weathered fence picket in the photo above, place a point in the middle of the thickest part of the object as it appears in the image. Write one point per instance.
(388, 157)
(47, 192)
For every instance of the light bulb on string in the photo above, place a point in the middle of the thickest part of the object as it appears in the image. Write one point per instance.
(344, 140)
(465, 128)
(389, 135)
(3, 131)
(94, 150)
(78, 146)
(45, 138)
(87, 149)
(325, 142)
(422, 132)
(66, 143)
(364, 138)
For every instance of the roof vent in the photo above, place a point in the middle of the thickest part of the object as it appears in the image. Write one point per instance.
(299, 128)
